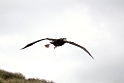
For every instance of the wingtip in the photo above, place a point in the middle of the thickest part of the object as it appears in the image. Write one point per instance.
(93, 58)
(21, 48)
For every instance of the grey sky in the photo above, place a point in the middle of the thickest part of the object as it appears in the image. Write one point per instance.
(94, 24)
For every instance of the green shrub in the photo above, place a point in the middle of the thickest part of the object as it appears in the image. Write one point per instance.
(8, 75)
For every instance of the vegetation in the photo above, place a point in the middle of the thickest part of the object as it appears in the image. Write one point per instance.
(9, 77)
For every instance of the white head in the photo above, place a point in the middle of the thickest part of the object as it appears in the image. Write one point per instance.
(64, 39)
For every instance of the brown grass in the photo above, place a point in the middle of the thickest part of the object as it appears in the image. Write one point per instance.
(9, 77)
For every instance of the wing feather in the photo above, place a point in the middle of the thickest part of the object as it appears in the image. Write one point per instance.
(30, 44)
(79, 47)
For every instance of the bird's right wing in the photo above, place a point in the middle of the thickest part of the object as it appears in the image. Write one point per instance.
(79, 47)
(30, 44)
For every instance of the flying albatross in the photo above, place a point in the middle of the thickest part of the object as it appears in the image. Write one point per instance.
(56, 43)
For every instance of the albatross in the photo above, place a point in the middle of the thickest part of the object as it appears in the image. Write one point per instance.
(57, 43)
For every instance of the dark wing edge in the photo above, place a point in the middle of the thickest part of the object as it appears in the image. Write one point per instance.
(30, 44)
(51, 39)
(80, 47)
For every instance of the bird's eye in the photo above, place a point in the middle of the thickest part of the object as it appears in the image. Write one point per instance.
(64, 39)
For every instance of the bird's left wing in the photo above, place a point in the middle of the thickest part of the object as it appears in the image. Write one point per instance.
(79, 47)
(30, 44)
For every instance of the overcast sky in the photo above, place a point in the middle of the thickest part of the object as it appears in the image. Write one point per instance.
(98, 25)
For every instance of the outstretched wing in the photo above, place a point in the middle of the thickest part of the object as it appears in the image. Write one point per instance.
(79, 47)
(30, 44)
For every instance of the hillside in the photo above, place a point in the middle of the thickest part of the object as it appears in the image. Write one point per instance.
(9, 77)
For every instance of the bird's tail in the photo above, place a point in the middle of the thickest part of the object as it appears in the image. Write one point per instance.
(47, 45)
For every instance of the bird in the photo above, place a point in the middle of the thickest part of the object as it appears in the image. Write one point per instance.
(57, 43)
